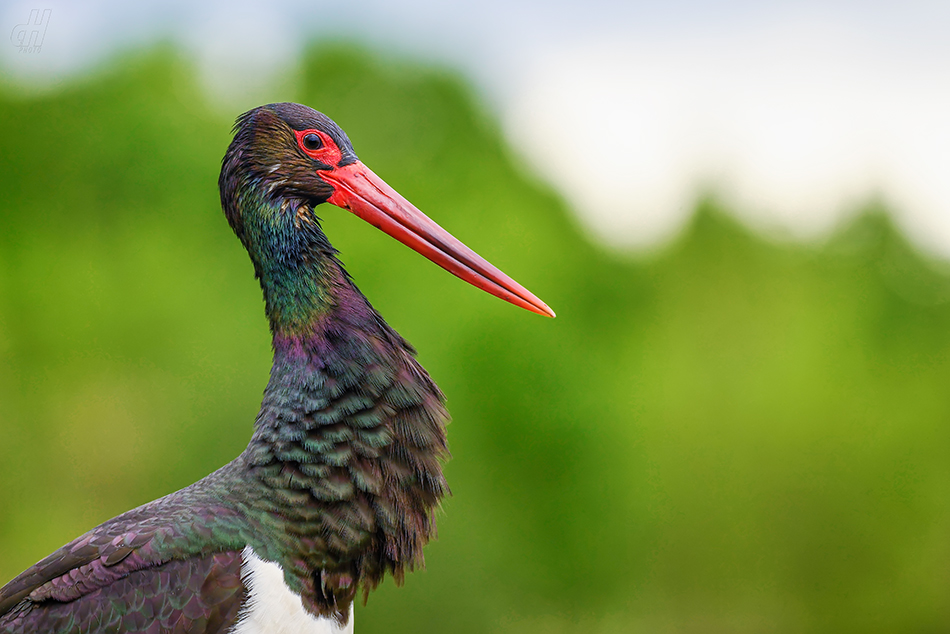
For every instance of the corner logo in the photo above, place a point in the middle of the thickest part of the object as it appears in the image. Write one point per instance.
(28, 37)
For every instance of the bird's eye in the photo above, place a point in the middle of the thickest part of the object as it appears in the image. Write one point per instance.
(319, 146)
(312, 142)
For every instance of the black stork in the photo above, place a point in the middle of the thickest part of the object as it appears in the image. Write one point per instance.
(342, 476)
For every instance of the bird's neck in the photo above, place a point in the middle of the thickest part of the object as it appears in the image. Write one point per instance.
(343, 471)
(326, 335)
(299, 274)
(335, 358)
(346, 449)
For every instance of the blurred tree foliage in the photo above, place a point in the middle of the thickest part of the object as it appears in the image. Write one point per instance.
(729, 435)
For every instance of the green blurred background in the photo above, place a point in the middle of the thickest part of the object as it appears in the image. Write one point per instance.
(727, 435)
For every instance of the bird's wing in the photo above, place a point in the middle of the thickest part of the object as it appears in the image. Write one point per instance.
(160, 563)
(198, 595)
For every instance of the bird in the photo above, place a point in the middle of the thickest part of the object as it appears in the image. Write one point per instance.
(342, 477)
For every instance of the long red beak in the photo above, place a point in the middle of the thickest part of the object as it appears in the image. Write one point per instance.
(364, 193)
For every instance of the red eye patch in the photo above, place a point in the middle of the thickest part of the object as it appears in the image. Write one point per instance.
(322, 148)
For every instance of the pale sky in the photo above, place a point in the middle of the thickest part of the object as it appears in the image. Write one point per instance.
(794, 113)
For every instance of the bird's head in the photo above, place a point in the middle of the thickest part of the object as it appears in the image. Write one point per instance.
(293, 158)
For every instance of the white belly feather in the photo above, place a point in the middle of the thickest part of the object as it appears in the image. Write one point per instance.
(272, 608)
